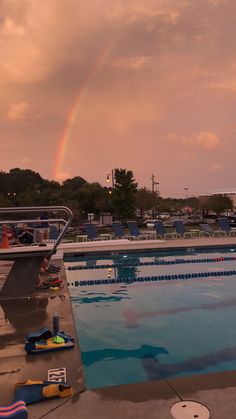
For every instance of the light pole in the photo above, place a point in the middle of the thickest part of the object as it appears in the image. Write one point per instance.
(186, 192)
(154, 183)
(154, 191)
(110, 177)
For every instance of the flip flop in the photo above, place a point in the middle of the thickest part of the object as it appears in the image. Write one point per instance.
(41, 334)
(16, 410)
(37, 391)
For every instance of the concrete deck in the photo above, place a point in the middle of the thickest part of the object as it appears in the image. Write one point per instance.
(117, 245)
(144, 400)
(154, 399)
(17, 318)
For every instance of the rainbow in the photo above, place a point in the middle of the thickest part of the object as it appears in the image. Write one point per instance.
(74, 111)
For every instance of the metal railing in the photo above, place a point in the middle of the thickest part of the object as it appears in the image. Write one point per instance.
(14, 210)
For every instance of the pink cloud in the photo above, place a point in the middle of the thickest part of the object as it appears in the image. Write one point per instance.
(18, 111)
(216, 167)
(205, 140)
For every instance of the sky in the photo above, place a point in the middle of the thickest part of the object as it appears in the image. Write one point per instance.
(144, 85)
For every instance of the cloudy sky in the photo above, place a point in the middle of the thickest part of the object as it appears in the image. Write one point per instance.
(146, 85)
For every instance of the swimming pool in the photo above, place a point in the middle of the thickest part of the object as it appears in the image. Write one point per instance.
(146, 316)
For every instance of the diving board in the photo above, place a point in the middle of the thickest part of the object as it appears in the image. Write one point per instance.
(23, 276)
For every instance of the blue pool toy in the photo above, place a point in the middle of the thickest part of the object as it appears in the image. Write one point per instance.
(49, 345)
(41, 334)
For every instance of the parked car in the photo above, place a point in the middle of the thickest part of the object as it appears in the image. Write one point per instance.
(149, 223)
(232, 220)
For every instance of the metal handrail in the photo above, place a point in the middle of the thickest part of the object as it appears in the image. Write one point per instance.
(9, 210)
(33, 221)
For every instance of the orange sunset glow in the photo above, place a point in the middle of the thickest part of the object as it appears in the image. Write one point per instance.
(149, 86)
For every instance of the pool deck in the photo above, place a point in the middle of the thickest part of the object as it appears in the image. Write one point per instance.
(117, 245)
(151, 399)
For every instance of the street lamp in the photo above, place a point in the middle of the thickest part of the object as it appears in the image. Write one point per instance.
(110, 177)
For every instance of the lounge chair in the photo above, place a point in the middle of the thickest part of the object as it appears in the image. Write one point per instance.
(180, 229)
(53, 232)
(118, 230)
(91, 232)
(207, 230)
(225, 227)
(134, 231)
(161, 231)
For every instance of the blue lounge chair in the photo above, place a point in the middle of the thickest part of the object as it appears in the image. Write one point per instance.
(118, 230)
(207, 230)
(180, 229)
(91, 232)
(53, 232)
(161, 231)
(225, 227)
(134, 231)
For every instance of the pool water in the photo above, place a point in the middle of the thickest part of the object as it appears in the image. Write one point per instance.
(139, 331)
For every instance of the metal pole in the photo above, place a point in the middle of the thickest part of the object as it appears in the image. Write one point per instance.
(112, 179)
(153, 182)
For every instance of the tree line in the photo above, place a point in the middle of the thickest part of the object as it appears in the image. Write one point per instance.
(24, 187)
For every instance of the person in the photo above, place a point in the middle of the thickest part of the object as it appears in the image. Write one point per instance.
(44, 227)
(25, 237)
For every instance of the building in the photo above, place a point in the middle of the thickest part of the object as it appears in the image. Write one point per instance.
(230, 192)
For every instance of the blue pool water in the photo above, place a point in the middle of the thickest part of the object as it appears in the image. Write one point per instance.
(138, 331)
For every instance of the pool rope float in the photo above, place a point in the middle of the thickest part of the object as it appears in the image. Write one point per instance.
(154, 278)
(153, 263)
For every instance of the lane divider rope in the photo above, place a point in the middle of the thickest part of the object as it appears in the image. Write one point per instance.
(153, 263)
(202, 275)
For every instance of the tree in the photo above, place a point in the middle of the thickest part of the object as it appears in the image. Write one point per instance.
(219, 203)
(123, 196)
(75, 183)
(92, 198)
(193, 202)
(146, 200)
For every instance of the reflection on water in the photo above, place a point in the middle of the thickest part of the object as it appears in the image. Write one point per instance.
(158, 371)
(89, 300)
(132, 317)
(127, 272)
(145, 351)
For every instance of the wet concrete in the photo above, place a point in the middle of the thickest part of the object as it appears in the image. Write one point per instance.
(154, 399)
(144, 400)
(20, 316)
